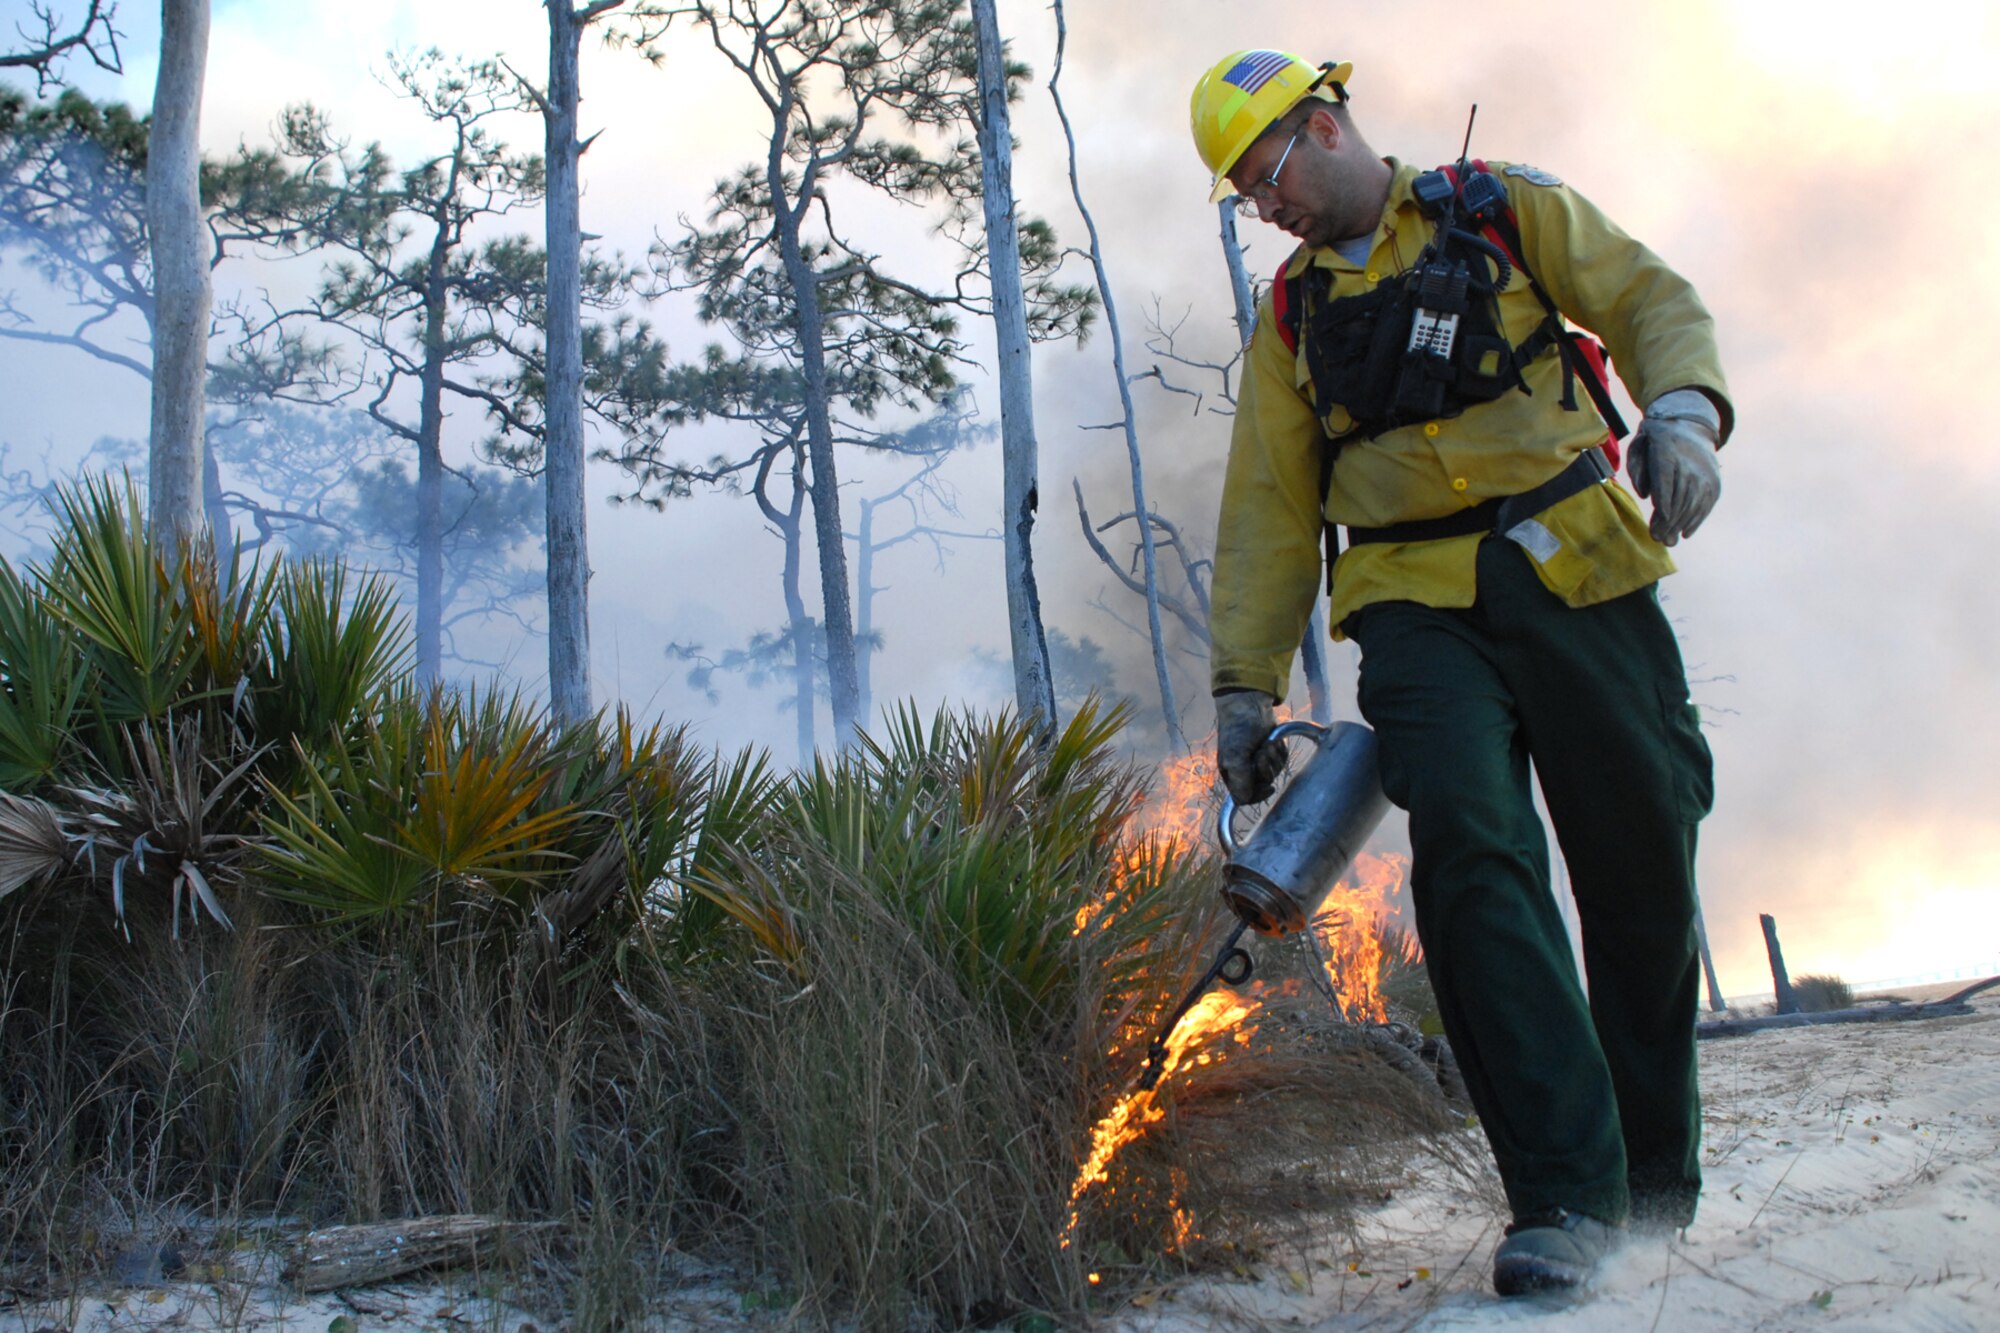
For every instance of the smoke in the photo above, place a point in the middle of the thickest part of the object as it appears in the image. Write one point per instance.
(1808, 180)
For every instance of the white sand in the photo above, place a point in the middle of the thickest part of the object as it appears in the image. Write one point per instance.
(1853, 1183)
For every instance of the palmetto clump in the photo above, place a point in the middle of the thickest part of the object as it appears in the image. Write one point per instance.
(286, 933)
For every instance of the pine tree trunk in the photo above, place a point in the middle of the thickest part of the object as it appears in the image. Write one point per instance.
(1239, 275)
(1169, 711)
(1034, 691)
(829, 540)
(1715, 1000)
(864, 612)
(804, 672)
(568, 548)
(430, 462)
(791, 526)
(214, 508)
(180, 273)
(1781, 980)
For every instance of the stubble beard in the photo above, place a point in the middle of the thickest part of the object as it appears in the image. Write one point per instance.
(1332, 217)
(1319, 231)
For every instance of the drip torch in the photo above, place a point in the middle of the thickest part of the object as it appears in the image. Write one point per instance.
(1276, 880)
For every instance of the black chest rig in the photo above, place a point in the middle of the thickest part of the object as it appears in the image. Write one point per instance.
(1428, 343)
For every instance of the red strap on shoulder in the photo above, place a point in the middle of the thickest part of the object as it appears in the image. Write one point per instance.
(1596, 360)
(1281, 306)
(1597, 365)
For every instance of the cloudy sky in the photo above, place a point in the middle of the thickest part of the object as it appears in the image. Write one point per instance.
(1813, 167)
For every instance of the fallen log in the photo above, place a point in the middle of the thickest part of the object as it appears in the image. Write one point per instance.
(1951, 1005)
(371, 1252)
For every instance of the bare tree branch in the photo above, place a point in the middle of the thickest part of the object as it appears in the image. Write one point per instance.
(1169, 713)
(1193, 619)
(95, 35)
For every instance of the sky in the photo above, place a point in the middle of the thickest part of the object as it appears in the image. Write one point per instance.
(1811, 167)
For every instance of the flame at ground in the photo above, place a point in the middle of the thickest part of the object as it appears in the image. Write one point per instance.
(1347, 930)
(1174, 819)
(1217, 1012)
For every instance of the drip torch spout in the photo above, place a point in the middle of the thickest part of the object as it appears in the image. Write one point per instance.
(1276, 882)
(1233, 966)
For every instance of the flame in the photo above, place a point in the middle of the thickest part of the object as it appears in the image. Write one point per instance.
(1174, 818)
(1178, 809)
(1347, 929)
(1216, 1013)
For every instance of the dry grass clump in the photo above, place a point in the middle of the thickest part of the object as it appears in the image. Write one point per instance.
(1277, 1142)
(1819, 993)
(896, 1159)
(166, 1088)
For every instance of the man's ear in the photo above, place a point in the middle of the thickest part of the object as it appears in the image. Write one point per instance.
(1323, 127)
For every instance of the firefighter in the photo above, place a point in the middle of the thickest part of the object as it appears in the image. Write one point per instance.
(1416, 378)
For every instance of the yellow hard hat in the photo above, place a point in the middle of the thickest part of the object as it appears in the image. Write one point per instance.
(1241, 96)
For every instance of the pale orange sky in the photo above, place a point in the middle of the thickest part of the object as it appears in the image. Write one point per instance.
(1816, 169)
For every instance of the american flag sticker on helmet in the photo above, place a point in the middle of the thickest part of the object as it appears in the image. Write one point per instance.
(1255, 69)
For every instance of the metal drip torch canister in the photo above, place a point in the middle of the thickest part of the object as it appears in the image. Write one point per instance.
(1277, 880)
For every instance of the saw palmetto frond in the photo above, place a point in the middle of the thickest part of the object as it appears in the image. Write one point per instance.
(33, 843)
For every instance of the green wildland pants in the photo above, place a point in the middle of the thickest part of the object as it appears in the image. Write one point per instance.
(1589, 1106)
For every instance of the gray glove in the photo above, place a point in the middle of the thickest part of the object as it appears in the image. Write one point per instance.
(1673, 461)
(1244, 755)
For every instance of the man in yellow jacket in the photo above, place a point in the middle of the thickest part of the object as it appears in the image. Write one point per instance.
(1421, 389)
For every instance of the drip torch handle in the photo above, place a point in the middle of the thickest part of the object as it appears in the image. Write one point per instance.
(1232, 964)
(1225, 818)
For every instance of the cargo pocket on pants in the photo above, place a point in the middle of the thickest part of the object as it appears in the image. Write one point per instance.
(1687, 753)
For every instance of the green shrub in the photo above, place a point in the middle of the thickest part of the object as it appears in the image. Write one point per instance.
(286, 933)
(42, 685)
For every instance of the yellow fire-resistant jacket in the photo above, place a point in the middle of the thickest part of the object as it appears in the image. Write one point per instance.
(1267, 558)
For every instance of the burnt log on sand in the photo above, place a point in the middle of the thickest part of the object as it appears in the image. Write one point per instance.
(1955, 1004)
(371, 1252)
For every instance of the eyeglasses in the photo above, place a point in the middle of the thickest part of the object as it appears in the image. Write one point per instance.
(1251, 204)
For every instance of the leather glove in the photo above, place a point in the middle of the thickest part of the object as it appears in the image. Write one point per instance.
(1244, 755)
(1673, 461)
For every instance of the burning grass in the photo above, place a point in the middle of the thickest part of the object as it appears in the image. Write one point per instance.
(1284, 1101)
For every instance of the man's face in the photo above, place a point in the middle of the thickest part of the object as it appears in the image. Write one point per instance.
(1292, 176)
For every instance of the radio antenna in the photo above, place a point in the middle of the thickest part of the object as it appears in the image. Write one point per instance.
(1450, 216)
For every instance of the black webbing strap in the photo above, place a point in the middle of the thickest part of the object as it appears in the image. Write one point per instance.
(1329, 449)
(1498, 514)
(1577, 363)
(1578, 359)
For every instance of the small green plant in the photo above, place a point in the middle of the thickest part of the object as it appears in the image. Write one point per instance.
(43, 688)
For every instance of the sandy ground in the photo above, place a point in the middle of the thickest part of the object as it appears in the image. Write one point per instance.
(1853, 1183)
